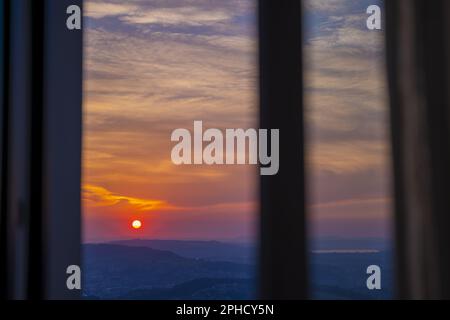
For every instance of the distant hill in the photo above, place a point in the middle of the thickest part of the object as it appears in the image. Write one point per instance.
(112, 271)
(343, 275)
(198, 289)
(136, 271)
(335, 243)
(207, 250)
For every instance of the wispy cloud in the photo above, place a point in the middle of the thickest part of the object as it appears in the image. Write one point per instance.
(170, 12)
(179, 16)
(323, 5)
(346, 89)
(151, 67)
(347, 122)
(104, 9)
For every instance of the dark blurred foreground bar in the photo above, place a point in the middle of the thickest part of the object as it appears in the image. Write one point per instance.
(4, 88)
(62, 147)
(41, 149)
(418, 54)
(283, 245)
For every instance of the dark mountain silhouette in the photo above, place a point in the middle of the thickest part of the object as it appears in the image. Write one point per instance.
(343, 275)
(336, 243)
(113, 271)
(207, 250)
(134, 271)
(199, 289)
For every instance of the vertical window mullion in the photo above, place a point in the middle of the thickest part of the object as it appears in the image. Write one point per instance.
(62, 137)
(4, 89)
(283, 237)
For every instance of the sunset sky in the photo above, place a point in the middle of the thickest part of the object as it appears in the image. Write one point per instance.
(347, 123)
(152, 66)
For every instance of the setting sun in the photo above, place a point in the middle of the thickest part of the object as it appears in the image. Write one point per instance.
(136, 224)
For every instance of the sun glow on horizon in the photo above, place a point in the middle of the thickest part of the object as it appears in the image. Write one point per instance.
(137, 224)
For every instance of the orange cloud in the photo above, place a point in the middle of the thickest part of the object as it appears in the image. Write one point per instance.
(95, 196)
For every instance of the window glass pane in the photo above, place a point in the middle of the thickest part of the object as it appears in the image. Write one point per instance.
(348, 149)
(153, 229)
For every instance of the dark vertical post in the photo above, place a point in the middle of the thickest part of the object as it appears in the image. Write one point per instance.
(4, 90)
(418, 54)
(434, 55)
(40, 149)
(283, 244)
(62, 110)
(18, 208)
(36, 263)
